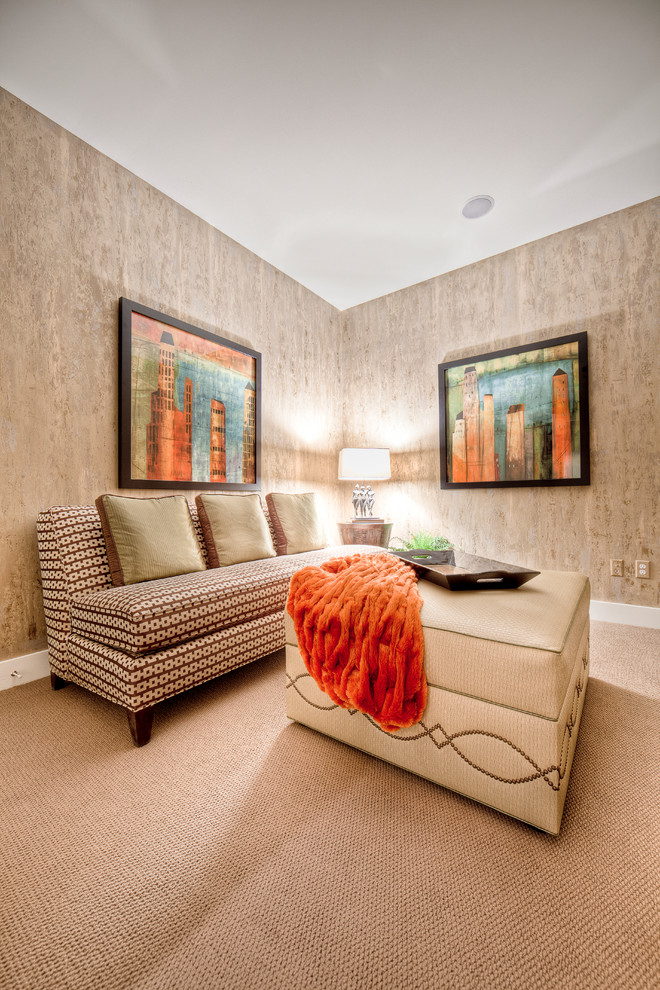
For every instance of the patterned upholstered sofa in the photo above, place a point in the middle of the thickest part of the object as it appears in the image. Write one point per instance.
(139, 644)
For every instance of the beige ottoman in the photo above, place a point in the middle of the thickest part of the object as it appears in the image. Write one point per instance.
(507, 672)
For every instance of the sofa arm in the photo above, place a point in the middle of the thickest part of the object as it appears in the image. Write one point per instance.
(55, 594)
(73, 561)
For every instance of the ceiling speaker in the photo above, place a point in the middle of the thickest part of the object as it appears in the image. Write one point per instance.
(478, 206)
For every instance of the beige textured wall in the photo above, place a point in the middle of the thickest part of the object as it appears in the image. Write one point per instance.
(77, 232)
(601, 277)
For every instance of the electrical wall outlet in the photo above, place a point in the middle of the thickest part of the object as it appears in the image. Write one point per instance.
(616, 568)
(641, 568)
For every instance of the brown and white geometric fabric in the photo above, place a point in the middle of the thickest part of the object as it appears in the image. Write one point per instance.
(141, 643)
(152, 615)
(137, 682)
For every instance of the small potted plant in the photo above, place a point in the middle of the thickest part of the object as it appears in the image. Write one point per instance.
(422, 541)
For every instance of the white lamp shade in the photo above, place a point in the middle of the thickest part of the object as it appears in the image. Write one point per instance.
(364, 464)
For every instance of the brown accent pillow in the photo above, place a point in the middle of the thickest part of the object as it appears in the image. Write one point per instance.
(235, 529)
(148, 538)
(296, 521)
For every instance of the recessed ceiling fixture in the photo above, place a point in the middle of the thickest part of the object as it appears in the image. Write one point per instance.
(478, 206)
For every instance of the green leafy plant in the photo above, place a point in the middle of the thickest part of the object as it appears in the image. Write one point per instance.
(422, 541)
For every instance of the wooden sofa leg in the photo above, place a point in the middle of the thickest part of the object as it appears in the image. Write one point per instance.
(140, 725)
(57, 682)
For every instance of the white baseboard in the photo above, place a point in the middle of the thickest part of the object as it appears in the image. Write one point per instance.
(627, 615)
(22, 670)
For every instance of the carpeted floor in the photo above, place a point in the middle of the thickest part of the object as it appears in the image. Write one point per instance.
(239, 850)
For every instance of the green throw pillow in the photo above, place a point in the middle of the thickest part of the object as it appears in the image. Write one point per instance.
(297, 522)
(148, 538)
(235, 529)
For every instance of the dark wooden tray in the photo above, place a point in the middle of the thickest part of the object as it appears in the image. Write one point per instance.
(460, 571)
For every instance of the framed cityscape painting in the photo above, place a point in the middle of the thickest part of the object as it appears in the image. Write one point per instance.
(516, 417)
(189, 405)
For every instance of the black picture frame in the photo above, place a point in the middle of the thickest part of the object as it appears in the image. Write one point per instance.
(486, 440)
(189, 405)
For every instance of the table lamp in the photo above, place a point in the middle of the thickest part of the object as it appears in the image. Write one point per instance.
(364, 464)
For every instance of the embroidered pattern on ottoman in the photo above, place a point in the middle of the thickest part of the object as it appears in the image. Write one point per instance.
(552, 775)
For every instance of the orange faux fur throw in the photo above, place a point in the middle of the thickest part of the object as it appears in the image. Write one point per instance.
(359, 630)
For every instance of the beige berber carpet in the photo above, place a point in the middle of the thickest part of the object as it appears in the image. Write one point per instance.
(239, 850)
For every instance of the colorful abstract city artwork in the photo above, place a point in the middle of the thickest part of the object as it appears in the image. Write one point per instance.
(516, 417)
(189, 405)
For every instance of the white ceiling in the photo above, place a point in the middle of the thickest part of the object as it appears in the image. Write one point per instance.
(339, 139)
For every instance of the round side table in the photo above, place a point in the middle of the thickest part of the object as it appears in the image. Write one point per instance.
(376, 534)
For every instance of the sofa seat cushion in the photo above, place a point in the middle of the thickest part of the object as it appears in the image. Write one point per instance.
(142, 618)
